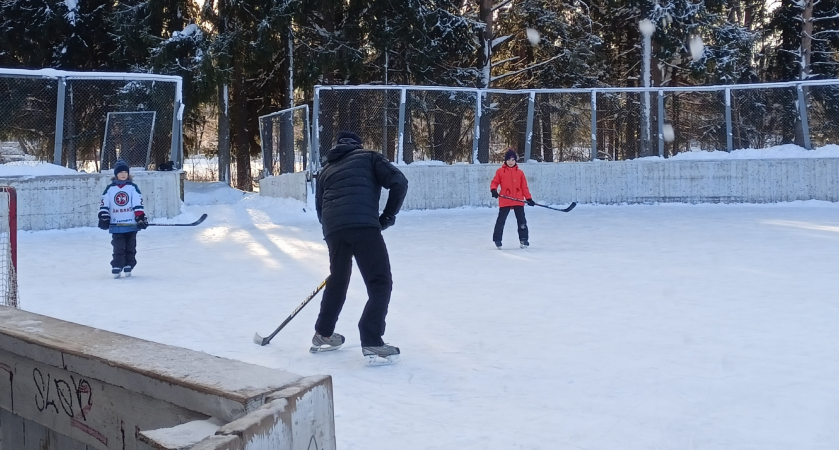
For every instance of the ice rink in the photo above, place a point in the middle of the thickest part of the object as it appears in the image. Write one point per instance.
(622, 327)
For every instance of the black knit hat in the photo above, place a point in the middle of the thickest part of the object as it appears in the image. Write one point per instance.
(348, 137)
(510, 154)
(120, 166)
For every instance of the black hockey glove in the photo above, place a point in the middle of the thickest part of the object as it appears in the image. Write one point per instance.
(494, 193)
(104, 220)
(530, 201)
(142, 221)
(386, 221)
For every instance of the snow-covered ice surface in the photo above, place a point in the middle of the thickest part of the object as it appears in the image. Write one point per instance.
(622, 327)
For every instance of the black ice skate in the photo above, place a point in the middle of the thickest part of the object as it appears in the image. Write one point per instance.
(498, 244)
(127, 271)
(326, 343)
(381, 355)
(523, 243)
(116, 272)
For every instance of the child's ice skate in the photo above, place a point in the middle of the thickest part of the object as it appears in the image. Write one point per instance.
(127, 271)
(523, 243)
(116, 272)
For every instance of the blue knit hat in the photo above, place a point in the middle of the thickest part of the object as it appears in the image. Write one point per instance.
(510, 153)
(120, 166)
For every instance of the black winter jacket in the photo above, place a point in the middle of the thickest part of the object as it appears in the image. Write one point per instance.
(349, 185)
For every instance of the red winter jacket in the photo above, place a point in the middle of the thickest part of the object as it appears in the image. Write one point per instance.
(513, 184)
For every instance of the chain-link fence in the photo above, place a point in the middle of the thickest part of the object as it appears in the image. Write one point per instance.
(413, 123)
(284, 138)
(61, 117)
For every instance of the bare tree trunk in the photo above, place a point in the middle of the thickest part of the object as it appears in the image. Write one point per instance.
(485, 15)
(240, 129)
(224, 134)
(804, 61)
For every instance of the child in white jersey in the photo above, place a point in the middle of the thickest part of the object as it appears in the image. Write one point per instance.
(121, 213)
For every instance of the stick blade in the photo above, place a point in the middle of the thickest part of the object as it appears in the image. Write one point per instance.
(200, 219)
(570, 207)
(259, 340)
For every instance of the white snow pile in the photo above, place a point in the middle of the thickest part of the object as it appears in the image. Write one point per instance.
(28, 169)
(779, 151)
(216, 193)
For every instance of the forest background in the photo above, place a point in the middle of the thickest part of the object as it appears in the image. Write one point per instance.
(255, 57)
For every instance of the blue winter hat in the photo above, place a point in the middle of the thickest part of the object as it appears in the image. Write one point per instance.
(120, 166)
(348, 137)
(510, 154)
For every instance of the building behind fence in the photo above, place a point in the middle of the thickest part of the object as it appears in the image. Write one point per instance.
(62, 117)
(423, 123)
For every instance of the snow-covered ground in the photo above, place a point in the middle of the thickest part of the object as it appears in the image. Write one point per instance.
(622, 327)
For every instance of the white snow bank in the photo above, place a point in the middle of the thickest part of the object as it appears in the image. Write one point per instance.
(779, 151)
(24, 168)
(216, 193)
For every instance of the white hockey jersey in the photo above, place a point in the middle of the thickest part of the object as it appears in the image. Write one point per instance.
(122, 200)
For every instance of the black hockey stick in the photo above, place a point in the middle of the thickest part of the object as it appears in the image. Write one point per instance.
(566, 209)
(200, 219)
(259, 340)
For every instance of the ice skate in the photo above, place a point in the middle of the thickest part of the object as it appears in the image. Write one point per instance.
(116, 272)
(127, 271)
(326, 343)
(381, 355)
(523, 243)
(498, 244)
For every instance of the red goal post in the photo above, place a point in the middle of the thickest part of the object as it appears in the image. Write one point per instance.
(8, 247)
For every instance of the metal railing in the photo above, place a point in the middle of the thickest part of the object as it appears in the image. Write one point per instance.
(417, 123)
(61, 117)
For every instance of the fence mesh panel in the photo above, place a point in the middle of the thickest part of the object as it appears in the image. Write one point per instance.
(86, 107)
(823, 114)
(439, 126)
(285, 141)
(562, 127)
(27, 118)
(764, 117)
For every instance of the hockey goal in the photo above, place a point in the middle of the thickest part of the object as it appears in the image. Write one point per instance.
(8, 247)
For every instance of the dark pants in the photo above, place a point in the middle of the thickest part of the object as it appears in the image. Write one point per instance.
(368, 247)
(521, 224)
(125, 249)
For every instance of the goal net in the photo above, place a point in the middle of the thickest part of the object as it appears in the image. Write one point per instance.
(8, 247)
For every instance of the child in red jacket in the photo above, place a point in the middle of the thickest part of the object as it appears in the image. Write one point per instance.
(513, 184)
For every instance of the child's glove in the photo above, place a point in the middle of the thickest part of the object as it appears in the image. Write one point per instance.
(386, 221)
(530, 201)
(142, 221)
(104, 220)
(494, 193)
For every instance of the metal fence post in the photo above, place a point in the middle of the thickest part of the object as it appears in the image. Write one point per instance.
(803, 115)
(727, 95)
(660, 118)
(59, 121)
(477, 131)
(529, 126)
(401, 129)
(175, 151)
(594, 126)
(316, 144)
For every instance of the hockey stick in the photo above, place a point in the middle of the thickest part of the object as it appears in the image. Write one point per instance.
(566, 209)
(259, 340)
(200, 219)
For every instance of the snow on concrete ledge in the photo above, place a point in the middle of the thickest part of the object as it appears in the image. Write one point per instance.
(102, 384)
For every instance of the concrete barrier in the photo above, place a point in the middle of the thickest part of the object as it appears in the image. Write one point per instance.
(68, 386)
(287, 185)
(69, 201)
(605, 182)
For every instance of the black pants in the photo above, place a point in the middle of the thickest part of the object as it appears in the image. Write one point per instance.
(521, 224)
(368, 247)
(125, 249)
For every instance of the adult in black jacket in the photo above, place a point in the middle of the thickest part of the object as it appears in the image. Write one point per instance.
(347, 203)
